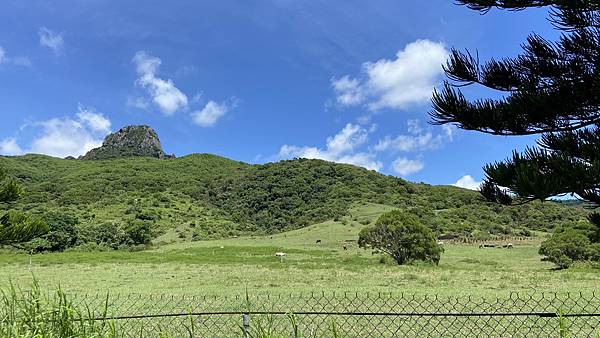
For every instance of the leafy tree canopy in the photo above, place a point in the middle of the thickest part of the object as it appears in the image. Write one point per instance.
(552, 88)
(402, 236)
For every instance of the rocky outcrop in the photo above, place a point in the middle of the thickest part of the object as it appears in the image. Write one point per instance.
(130, 141)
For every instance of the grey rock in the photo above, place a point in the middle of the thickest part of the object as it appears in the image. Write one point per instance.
(131, 141)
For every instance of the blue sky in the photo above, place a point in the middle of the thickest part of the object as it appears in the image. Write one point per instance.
(252, 80)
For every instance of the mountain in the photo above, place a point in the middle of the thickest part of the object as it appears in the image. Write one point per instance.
(129, 194)
(129, 141)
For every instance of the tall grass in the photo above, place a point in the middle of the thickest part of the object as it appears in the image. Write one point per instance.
(32, 313)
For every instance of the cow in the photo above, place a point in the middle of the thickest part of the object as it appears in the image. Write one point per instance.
(318, 241)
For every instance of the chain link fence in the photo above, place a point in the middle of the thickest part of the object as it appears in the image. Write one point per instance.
(349, 315)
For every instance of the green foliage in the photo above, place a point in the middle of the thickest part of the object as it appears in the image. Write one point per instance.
(31, 313)
(63, 233)
(10, 190)
(292, 194)
(139, 232)
(537, 100)
(567, 245)
(16, 227)
(402, 236)
(224, 198)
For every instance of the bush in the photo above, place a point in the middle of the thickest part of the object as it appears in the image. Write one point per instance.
(104, 234)
(139, 232)
(62, 235)
(403, 237)
(566, 246)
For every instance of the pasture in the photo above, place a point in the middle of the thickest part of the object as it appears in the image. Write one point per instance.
(232, 266)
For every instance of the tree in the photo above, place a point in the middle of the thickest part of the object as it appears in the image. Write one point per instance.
(402, 236)
(551, 89)
(15, 226)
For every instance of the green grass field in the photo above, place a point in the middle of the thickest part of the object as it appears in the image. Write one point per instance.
(231, 266)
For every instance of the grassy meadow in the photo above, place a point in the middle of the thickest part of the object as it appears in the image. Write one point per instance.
(232, 266)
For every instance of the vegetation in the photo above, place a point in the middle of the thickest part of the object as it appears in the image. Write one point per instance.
(570, 243)
(551, 89)
(15, 226)
(125, 203)
(402, 236)
(232, 265)
(32, 313)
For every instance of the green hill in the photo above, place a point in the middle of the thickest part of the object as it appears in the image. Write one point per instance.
(205, 196)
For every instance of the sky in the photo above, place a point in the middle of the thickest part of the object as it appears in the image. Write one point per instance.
(257, 81)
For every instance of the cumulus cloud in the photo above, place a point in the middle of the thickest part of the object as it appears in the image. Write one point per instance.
(398, 83)
(62, 137)
(52, 40)
(10, 147)
(340, 148)
(210, 114)
(417, 139)
(468, 182)
(164, 93)
(2, 55)
(404, 166)
(349, 91)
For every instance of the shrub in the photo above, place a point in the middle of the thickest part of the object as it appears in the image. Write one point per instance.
(567, 245)
(62, 235)
(105, 234)
(139, 232)
(403, 237)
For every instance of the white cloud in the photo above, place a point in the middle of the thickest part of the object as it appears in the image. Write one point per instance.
(210, 114)
(339, 148)
(52, 40)
(165, 95)
(62, 137)
(399, 83)
(405, 167)
(10, 147)
(349, 91)
(96, 122)
(17, 60)
(468, 182)
(417, 139)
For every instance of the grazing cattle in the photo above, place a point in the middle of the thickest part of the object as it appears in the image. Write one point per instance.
(318, 241)
(280, 254)
(481, 246)
(345, 248)
(509, 246)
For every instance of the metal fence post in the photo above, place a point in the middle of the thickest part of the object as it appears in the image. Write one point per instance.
(246, 325)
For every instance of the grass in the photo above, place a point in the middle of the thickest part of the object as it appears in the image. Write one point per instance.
(238, 264)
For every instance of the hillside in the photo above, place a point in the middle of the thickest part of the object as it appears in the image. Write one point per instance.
(205, 196)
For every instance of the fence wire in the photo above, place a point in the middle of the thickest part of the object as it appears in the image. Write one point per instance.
(349, 315)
